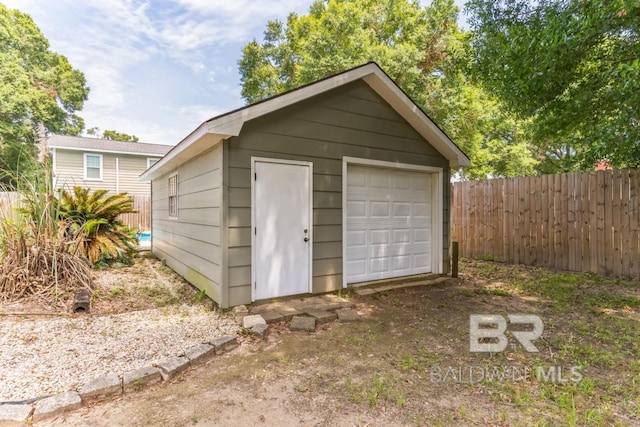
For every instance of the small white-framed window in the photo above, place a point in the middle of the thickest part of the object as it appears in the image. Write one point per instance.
(151, 162)
(92, 167)
(173, 196)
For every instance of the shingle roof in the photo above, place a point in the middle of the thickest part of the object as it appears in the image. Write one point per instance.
(105, 145)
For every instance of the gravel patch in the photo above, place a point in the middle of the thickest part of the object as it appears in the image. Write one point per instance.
(48, 356)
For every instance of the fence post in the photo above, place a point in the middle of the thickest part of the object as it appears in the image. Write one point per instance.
(454, 259)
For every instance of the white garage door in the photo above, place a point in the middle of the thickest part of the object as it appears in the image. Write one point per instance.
(388, 223)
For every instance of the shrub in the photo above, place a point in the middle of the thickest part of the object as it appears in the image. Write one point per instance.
(100, 237)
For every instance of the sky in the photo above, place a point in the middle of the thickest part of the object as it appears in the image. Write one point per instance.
(156, 68)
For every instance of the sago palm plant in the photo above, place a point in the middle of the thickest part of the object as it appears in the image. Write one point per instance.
(93, 218)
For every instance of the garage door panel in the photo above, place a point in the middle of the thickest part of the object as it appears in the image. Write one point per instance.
(357, 208)
(377, 209)
(356, 238)
(379, 236)
(388, 223)
(379, 265)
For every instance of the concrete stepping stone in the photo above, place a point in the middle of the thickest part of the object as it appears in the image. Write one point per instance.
(347, 315)
(199, 353)
(14, 415)
(288, 312)
(172, 366)
(272, 316)
(138, 378)
(260, 330)
(254, 319)
(56, 405)
(224, 344)
(107, 385)
(322, 316)
(303, 323)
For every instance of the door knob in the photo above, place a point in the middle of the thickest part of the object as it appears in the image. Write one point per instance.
(306, 239)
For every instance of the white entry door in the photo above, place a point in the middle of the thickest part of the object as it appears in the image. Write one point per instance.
(282, 218)
(388, 223)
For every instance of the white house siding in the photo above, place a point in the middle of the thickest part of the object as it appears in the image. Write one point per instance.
(191, 244)
(69, 172)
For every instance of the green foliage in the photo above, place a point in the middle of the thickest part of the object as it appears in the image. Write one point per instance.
(420, 48)
(112, 135)
(38, 87)
(94, 217)
(571, 69)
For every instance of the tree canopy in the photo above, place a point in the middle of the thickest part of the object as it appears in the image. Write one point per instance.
(571, 69)
(38, 87)
(113, 135)
(419, 47)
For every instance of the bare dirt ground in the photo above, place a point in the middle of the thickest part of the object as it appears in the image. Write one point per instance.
(407, 363)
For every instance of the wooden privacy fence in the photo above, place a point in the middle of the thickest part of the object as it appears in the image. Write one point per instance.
(578, 221)
(140, 221)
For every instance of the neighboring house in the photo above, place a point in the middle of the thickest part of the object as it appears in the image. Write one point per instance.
(103, 164)
(341, 181)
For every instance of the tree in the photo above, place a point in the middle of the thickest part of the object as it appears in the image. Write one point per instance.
(38, 87)
(418, 47)
(112, 135)
(571, 69)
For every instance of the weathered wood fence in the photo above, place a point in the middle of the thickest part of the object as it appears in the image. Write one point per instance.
(578, 221)
(140, 220)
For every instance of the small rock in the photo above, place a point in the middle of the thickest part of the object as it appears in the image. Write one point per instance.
(56, 405)
(260, 330)
(250, 321)
(107, 385)
(348, 315)
(172, 366)
(303, 323)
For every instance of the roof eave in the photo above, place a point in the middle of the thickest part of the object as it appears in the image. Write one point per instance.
(196, 142)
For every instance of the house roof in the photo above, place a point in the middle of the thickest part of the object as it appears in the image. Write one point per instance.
(78, 143)
(230, 124)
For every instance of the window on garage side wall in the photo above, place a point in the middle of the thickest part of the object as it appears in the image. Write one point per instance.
(173, 196)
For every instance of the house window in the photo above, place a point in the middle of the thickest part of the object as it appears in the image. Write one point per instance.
(151, 162)
(173, 196)
(93, 167)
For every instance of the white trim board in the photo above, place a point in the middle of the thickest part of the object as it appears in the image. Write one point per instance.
(436, 206)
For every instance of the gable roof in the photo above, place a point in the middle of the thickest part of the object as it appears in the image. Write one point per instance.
(230, 124)
(78, 143)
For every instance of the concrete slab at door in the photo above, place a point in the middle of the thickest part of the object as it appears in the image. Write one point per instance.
(282, 229)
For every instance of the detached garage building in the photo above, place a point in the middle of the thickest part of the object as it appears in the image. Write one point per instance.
(341, 181)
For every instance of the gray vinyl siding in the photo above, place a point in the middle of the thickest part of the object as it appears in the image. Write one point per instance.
(70, 172)
(191, 244)
(349, 121)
